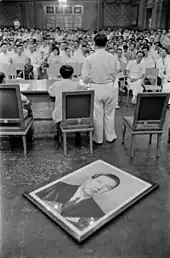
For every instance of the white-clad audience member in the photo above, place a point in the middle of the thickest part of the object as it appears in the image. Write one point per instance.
(147, 61)
(163, 64)
(135, 73)
(121, 63)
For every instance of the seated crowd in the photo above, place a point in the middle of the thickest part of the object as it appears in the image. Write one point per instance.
(134, 51)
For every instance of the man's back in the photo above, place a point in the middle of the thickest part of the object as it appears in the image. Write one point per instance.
(100, 67)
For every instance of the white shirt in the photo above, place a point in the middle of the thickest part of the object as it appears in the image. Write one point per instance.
(164, 67)
(4, 58)
(99, 67)
(148, 62)
(134, 69)
(55, 90)
(121, 64)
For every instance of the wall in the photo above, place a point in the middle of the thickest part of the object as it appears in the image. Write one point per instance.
(120, 15)
(31, 13)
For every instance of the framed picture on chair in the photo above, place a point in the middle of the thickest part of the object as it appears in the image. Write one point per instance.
(78, 203)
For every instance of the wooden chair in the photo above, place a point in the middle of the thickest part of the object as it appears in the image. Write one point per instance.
(123, 84)
(54, 70)
(148, 118)
(14, 120)
(20, 70)
(150, 82)
(77, 114)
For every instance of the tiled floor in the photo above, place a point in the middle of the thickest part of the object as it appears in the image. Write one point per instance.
(141, 232)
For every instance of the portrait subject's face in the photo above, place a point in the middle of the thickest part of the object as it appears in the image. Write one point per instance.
(99, 185)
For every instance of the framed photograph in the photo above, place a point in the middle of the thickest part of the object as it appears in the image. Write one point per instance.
(58, 9)
(85, 200)
(68, 10)
(78, 9)
(49, 9)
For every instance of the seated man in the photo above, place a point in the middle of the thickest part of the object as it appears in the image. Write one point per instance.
(163, 64)
(121, 63)
(56, 89)
(135, 73)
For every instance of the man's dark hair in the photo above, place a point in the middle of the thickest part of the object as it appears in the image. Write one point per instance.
(56, 48)
(115, 178)
(100, 40)
(145, 47)
(66, 71)
(140, 52)
(125, 47)
(164, 48)
(2, 77)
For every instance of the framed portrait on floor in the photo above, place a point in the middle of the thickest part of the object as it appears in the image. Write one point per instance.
(86, 199)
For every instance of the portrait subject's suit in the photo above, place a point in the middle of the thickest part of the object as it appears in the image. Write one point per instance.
(62, 193)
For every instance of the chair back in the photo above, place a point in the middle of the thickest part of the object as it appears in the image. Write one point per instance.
(54, 70)
(11, 112)
(77, 109)
(151, 75)
(150, 111)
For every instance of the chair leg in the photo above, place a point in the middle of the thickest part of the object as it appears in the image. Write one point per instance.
(158, 145)
(24, 144)
(123, 134)
(65, 143)
(132, 146)
(169, 135)
(127, 100)
(150, 138)
(91, 142)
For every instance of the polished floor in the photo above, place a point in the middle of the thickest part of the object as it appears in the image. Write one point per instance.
(141, 232)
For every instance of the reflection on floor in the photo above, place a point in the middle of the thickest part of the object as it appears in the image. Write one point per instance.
(141, 232)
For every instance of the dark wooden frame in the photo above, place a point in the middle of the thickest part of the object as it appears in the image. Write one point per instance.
(22, 125)
(73, 233)
(50, 12)
(141, 127)
(84, 124)
(71, 93)
(78, 6)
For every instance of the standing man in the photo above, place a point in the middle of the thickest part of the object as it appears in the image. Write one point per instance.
(99, 69)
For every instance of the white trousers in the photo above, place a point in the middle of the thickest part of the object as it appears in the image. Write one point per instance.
(116, 87)
(104, 112)
(166, 88)
(136, 87)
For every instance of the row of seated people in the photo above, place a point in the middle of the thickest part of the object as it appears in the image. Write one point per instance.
(69, 46)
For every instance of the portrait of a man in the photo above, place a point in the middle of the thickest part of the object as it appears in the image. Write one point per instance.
(78, 200)
(83, 201)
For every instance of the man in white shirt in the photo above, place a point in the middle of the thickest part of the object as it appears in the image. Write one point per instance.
(147, 60)
(19, 57)
(135, 74)
(4, 57)
(163, 64)
(100, 69)
(68, 58)
(121, 63)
